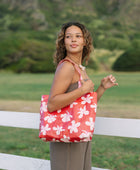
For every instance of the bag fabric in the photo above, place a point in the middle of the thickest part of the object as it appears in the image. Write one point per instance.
(73, 123)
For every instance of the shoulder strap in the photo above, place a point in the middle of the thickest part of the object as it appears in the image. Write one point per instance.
(76, 67)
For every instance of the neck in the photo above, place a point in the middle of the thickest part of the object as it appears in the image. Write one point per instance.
(77, 59)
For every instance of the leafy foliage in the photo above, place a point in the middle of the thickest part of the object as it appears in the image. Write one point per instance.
(29, 30)
(116, 43)
(26, 55)
(106, 7)
(129, 60)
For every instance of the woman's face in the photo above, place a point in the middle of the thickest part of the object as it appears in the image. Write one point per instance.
(74, 40)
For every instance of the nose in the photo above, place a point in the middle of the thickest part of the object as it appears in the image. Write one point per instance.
(73, 39)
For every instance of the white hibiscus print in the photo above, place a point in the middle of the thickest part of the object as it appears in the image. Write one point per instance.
(66, 117)
(58, 129)
(58, 111)
(82, 112)
(44, 129)
(86, 99)
(74, 127)
(90, 123)
(55, 140)
(43, 107)
(85, 134)
(42, 99)
(94, 106)
(74, 103)
(76, 141)
(86, 139)
(50, 118)
(65, 138)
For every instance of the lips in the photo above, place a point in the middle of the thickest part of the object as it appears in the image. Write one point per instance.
(74, 45)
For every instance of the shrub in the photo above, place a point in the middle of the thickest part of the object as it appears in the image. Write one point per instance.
(116, 43)
(23, 65)
(3, 10)
(93, 64)
(8, 48)
(136, 43)
(43, 67)
(106, 7)
(128, 61)
(26, 56)
(18, 24)
(42, 35)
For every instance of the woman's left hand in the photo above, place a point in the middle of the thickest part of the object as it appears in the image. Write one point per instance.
(108, 82)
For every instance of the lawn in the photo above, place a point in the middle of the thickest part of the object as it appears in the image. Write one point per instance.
(22, 92)
(114, 153)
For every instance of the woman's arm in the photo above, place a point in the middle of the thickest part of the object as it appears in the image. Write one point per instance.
(100, 91)
(106, 83)
(62, 79)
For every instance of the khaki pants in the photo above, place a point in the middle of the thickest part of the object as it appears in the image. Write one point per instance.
(70, 156)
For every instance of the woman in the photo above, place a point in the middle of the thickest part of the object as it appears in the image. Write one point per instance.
(74, 43)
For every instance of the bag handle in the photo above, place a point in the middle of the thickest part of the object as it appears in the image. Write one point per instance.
(77, 69)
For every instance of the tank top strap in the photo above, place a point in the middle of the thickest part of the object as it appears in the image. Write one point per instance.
(77, 69)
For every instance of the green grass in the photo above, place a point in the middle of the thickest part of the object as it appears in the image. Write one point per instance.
(24, 86)
(127, 91)
(121, 101)
(115, 153)
(32, 86)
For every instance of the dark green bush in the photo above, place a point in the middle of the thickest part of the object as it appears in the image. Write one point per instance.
(106, 7)
(8, 49)
(116, 43)
(43, 35)
(128, 61)
(136, 35)
(92, 64)
(43, 67)
(18, 25)
(23, 65)
(37, 50)
(28, 65)
(136, 43)
(3, 10)
(26, 55)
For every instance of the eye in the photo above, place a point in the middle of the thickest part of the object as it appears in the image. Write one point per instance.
(68, 36)
(78, 36)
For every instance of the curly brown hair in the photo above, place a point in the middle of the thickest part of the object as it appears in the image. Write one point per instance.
(60, 46)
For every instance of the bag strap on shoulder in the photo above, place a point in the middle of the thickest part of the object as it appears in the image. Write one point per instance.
(76, 67)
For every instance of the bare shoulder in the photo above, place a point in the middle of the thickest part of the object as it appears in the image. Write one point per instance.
(65, 68)
(62, 78)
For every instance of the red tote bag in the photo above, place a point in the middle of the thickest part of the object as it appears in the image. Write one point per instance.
(73, 123)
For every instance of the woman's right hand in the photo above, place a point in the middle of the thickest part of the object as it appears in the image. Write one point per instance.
(87, 86)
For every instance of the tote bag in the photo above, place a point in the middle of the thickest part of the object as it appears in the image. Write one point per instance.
(73, 123)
